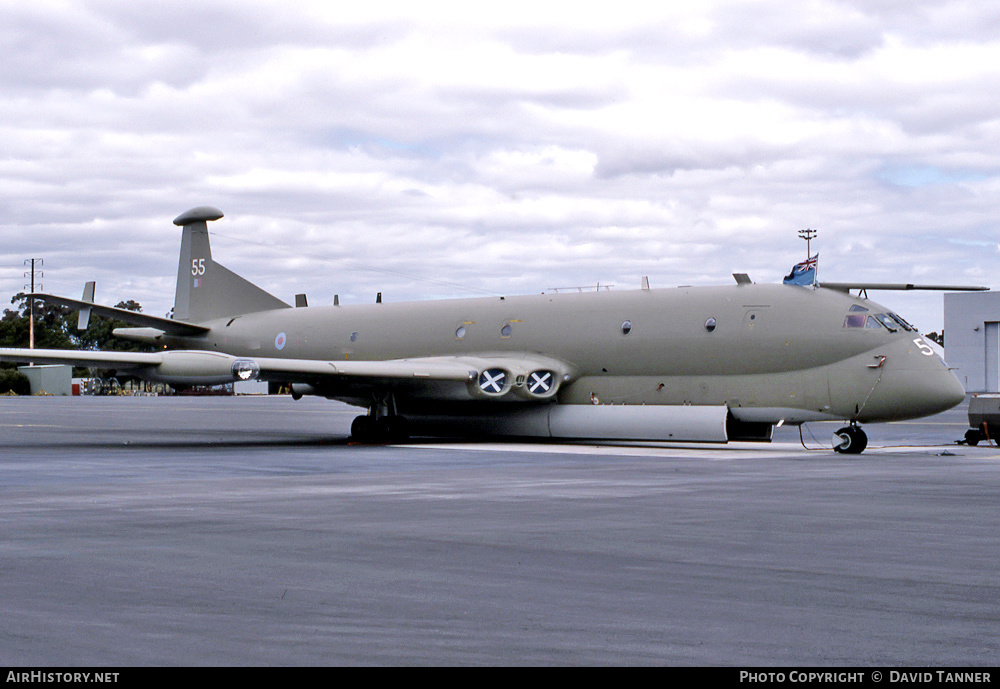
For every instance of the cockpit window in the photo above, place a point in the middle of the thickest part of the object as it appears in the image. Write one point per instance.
(899, 319)
(890, 321)
(890, 325)
(857, 307)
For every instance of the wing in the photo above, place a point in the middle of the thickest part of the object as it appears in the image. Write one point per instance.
(489, 377)
(116, 360)
(848, 286)
(507, 377)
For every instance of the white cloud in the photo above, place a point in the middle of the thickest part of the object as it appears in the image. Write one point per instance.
(506, 148)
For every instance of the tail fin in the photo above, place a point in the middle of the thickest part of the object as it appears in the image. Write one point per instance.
(205, 289)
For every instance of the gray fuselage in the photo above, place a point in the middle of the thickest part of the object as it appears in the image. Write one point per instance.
(769, 352)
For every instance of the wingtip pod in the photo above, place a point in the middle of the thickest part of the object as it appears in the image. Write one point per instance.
(199, 214)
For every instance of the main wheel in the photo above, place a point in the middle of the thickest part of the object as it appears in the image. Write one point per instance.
(850, 440)
(392, 429)
(385, 429)
(364, 429)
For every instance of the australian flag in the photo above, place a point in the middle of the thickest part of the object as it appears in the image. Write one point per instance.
(803, 273)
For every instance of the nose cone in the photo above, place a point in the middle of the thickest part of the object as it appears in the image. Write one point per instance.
(914, 384)
(955, 393)
(934, 392)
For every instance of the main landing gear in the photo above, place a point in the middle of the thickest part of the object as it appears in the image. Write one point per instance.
(381, 425)
(850, 440)
(381, 429)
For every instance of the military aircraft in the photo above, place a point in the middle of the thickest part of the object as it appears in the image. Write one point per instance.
(693, 364)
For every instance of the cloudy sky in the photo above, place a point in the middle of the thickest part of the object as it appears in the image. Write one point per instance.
(454, 151)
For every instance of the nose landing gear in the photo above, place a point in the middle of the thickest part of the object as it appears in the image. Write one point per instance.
(850, 440)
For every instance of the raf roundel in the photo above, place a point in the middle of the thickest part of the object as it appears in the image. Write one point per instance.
(279, 341)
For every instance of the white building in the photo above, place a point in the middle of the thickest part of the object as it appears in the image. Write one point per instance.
(972, 338)
(49, 379)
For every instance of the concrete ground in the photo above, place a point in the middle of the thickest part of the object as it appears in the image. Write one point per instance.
(248, 531)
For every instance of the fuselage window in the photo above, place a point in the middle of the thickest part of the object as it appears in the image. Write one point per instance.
(710, 325)
(505, 331)
(460, 333)
(626, 327)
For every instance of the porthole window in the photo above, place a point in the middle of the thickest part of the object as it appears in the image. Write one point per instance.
(460, 333)
(710, 325)
(626, 327)
(505, 331)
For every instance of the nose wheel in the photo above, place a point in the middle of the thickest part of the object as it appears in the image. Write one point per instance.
(850, 440)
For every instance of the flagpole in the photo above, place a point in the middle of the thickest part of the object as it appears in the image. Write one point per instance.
(807, 235)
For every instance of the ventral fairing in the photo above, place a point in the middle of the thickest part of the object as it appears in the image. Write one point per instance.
(701, 364)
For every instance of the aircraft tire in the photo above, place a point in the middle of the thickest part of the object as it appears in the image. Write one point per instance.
(392, 429)
(850, 440)
(364, 429)
(385, 429)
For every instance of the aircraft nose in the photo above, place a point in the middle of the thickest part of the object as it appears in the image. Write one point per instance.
(914, 383)
(956, 392)
(950, 391)
(942, 392)
(914, 393)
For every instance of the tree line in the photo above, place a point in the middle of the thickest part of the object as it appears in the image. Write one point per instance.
(55, 328)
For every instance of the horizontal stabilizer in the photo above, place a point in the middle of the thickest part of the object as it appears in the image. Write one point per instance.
(167, 325)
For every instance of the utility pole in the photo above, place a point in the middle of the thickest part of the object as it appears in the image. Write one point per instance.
(31, 301)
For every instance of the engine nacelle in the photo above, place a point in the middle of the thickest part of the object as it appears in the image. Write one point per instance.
(525, 380)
